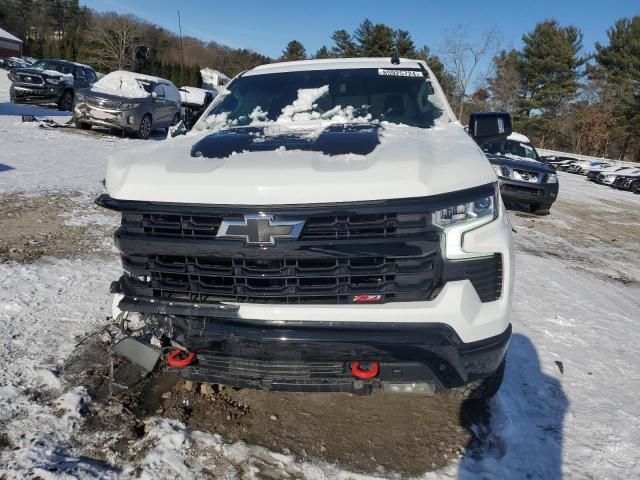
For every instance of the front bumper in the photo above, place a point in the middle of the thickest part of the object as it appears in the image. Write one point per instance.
(122, 119)
(35, 95)
(526, 192)
(317, 356)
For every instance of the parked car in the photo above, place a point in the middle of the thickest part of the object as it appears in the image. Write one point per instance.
(132, 102)
(326, 226)
(608, 177)
(630, 180)
(50, 82)
(13, 62)
(194, 102)
(559, 162)
(592, 174)
(523, 178)
(582, 167)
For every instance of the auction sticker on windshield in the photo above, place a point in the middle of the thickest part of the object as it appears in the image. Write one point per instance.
(400, 73)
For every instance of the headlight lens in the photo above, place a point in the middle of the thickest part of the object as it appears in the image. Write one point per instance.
(497, 169)
(53, 81)
(129, 106)
(482, 209)
(552, 178)
(458, 219)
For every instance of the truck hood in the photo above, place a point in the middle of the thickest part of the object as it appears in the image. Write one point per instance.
(382, 163)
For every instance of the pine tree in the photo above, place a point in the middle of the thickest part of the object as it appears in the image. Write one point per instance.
(344, 46)
(375, 40)
(323, 52)
(294, 51)
(550, 70)
(620, 62)
(404, 44)
(362, 36)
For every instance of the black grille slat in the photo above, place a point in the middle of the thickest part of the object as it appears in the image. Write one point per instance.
(334, 227)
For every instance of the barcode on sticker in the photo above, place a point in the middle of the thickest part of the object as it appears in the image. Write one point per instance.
(400, 73)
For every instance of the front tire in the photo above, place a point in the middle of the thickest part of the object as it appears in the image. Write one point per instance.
(66, 101)
(484, 389)
(145, 127)
(175, 119)
(635, 187)
(540, 209)
(82, 125)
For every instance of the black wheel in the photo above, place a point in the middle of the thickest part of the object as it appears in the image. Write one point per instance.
(66, 101)
(145, 127)
(635, 187)
(82, 125)
(539, 208)
(175, 119)
(482, 389)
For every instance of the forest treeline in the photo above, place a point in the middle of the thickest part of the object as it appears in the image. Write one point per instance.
(564, 95)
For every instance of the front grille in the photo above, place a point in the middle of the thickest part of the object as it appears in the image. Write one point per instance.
(100, 103)
(318, 227)
(30, 79)
(521, 189)
(387, 251)
(526, 176)
(258, 370)
(203, 279)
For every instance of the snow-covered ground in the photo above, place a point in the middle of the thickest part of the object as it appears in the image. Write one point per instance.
(568, 407)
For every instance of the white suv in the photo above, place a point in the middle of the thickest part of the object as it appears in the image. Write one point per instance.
(327, 226)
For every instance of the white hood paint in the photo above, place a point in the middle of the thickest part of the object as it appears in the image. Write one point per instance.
(409, 162)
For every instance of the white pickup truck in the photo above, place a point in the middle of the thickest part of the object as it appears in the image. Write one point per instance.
(328, 225)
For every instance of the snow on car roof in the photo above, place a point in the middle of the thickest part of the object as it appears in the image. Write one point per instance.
(195, 95)
(333, 63)
(518, 137)
(127, 84)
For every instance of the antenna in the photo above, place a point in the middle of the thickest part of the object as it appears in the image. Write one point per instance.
(181, 48)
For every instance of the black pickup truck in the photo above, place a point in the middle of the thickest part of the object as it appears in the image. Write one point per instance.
(50, 82)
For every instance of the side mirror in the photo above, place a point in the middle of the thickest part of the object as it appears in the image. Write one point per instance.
(487, 127)
(154, 95)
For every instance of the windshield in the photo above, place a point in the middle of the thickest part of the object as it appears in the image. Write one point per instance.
(401, 96)
(512, 147)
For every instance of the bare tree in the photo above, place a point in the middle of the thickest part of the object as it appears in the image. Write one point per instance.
(463, 59)
(115, 40)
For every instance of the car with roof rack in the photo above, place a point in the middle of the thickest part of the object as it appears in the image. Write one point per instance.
(326, 226)
(50, 82)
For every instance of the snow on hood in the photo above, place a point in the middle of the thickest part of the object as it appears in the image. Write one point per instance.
(408, 162)
(131, 85)
(54, 73)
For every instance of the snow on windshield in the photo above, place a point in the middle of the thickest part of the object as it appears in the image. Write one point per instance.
(316, 99)
(303, 110)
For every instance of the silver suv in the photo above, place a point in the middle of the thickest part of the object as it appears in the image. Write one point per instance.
(132, 102)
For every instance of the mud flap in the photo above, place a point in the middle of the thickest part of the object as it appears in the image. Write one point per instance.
(137, 352)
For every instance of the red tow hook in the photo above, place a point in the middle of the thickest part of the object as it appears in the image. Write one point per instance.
(179, 358)
(374, 369)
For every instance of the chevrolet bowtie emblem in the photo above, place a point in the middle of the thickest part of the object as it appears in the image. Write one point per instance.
(260, 229)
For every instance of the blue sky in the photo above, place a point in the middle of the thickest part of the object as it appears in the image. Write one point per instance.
(267, 26)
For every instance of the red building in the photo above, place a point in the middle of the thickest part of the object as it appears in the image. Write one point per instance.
(10, 45)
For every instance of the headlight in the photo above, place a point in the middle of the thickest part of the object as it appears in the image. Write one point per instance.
(53, 81)
(552, 178)
(458, 219)
(501, 171)
(129, 106)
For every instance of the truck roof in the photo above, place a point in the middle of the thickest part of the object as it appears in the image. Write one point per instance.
(333, 64)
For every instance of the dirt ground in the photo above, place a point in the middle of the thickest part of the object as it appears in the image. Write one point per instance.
(380, 433)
